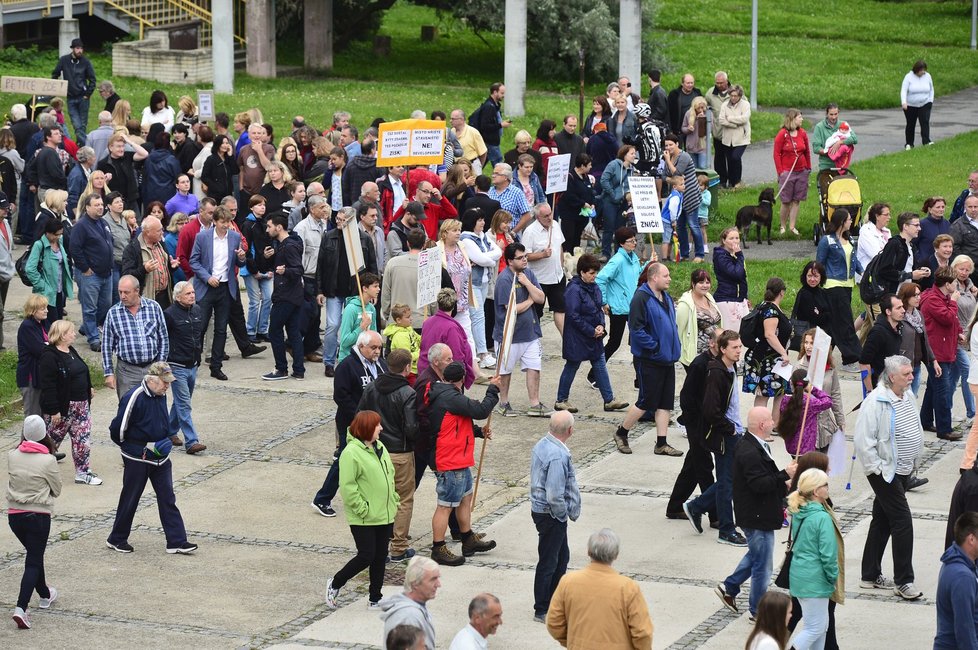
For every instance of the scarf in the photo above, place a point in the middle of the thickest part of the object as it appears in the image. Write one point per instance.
(915, 319)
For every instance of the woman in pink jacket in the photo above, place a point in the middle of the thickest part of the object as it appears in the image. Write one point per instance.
(442, 328)
(793, 412)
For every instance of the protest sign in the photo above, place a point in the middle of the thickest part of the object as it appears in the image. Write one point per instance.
(429, 276)
(558, 167)
(411, 142)
(645, 202)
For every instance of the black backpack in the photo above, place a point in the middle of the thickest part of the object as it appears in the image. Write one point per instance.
(752, 327)
(21, 264)
(870, 289)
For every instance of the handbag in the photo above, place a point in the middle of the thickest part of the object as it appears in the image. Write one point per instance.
(783, 576)
(798, 329)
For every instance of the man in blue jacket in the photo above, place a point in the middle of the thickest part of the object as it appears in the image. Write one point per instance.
(91, 252)
(957, 589)
(655, 346)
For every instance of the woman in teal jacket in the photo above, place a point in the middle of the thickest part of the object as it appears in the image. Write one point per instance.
(370, 502)
(357, 317)
(618, 281)
(49, 270)
(815, 562)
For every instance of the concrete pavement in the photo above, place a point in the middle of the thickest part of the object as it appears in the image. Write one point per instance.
(259, 577)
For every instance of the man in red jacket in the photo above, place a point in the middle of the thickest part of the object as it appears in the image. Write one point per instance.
(436, 208)
(451, 415)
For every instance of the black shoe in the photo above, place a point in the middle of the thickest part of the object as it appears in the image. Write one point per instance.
(914, 482)
(324, 509)
(252, 350)
(930, 427)
(122, 547)
(218, 374)
(224, 357)
(59, 456)
(261, 338)
(330, 372)
(184, 549)
(954, 436)
(676, 515)
(715, 525)
(733, 539)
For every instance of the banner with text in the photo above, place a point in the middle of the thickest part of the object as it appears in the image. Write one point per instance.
(645, 202)
(411, 142)
(33, 85)
(429, 276)
(558, 168)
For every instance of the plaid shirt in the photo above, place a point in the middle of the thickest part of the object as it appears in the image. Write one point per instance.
(138, 339)
(512, 200)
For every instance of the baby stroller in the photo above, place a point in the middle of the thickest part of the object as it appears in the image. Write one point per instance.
(837, 188)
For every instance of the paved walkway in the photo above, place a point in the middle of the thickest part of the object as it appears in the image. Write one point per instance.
(879, 131)
(258, 579)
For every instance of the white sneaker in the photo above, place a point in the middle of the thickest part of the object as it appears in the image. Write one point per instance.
(21, 619)
(908, 591)
(331, 594)
(46, 602)
(488, 361)
(89, 478)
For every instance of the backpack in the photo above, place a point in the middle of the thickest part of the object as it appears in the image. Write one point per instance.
(870, 289)
(21, 264)
(476, 116)
(752, 326)
(8, 179)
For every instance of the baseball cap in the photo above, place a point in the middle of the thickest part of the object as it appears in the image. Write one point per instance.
(415, 208)
(34, 429)
(454, 372)
(4, 203)
(162, 370)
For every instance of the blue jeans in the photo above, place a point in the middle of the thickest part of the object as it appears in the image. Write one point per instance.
(288, 317)
(915, 385)
(180, 413)
(478, 316)
(600, 372)
(814, 623)
(331, 341)
(757, 564)
(553, 555)
(935, 411)
(78, 112)
(720, 494)
(961, 367)
(494, 154)
(700, 159)
(259, 304)
(95, 296)
(332, 483)
(613, 220)
(689, 222)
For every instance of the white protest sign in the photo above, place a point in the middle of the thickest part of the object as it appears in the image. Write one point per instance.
(427, 142)
(395, 144)
(820, 355)
(33, 85)
(429, 276)
(351, 241)
(205, 104)
(558, 168)
(645, 202)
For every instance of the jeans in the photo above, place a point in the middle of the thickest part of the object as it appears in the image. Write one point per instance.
(217, 300)
(915, 385)
(921, 113)
(613, 220)
(494, 154)
(180, 412)
(600, 372)
(959, 374)
(371, 544)
(735, 165)
(935, 410)
(720, 494)
(95, 296)
(259, 304)
(689, 222)
(134, 476)
(116, 274)
(421, 459)
(32, 529)
(311, 317)
(553, 554)
(478, 316)
(699, 159)
(891, 518)
(331, 484)
(814, 623)
(757, 564)
(331, 342)
(287, 316)
(78, 113)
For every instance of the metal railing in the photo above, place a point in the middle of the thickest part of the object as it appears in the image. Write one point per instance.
(45, 12)
(155, 13)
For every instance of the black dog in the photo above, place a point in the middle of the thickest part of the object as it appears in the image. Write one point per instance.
(759, 215)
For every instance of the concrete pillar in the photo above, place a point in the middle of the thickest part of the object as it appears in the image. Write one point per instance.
(68, 30)
(260, 28)
(318, 34)
(514, 66)
(222, 48)
(630, 43)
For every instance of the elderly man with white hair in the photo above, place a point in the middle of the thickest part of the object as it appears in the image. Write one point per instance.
(597, 607)
(98, 139)
(146, 259)
(421, 582)
(184, 326)
(511, 198)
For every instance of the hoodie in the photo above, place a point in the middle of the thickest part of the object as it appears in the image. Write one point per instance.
(350, 324)
(403, 610)
(361, 169)
(392, 397)
(957, 592)
(400, 337)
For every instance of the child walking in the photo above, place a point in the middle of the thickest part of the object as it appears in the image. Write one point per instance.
(792, 413)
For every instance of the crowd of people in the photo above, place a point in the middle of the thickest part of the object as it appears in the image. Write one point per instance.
(151, 222)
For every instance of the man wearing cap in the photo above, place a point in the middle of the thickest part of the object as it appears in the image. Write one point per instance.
(185, 331)
(451, 416)
(80, 75)
(7, 268)
(397, 239)
(136, 332)
(141, 429)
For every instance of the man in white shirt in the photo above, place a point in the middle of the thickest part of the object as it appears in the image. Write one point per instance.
(543, 241)
(485, 616)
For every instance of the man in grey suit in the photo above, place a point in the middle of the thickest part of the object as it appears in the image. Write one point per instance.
(215, 258)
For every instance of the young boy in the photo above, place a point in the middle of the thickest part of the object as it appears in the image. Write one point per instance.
(358, 317)
(671, 209)
(401, 336)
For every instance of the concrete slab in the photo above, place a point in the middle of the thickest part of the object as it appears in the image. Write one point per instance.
(927, 550)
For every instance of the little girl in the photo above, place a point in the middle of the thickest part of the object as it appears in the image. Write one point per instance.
(792, 412)
(830, 420)
(706, 199)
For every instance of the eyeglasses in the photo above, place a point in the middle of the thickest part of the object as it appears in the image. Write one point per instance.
(520, 257)
(628, 85)
(631, 240)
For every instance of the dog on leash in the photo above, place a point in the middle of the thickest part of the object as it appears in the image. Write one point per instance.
(758, 215)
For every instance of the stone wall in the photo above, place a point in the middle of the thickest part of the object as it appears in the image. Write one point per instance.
(150, 58)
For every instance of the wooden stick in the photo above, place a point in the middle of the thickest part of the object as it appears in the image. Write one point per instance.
(478, 475)
(801, 433)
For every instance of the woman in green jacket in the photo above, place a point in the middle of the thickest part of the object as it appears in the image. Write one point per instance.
(815, 562)
(49, 269)
(370, 502)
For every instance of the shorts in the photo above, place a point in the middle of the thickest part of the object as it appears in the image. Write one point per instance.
(453, 486)
(704, 219)
(555, 297)
(666, 231)
(796, 189)
(529, 355)
(656, 386)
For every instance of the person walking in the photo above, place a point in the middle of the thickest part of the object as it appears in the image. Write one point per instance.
(33, 484)
(288, 298)
(422, 580)
(185, 330)
(370, 502)
(917, 100)
(616, 281)
(957, 589)
(554, 498)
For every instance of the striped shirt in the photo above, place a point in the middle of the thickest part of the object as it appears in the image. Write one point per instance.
(139, 338)
(511, 200)
(906, 424)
